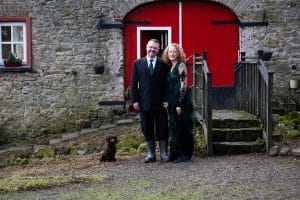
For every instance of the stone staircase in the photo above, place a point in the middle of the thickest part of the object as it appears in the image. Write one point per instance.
(236, 132)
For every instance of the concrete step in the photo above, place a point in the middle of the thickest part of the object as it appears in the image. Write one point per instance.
(239, 134)
(234, 148)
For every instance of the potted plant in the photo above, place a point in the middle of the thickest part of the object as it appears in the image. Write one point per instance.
(12, 61)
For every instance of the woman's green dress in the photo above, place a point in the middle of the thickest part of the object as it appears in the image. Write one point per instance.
(180, 126)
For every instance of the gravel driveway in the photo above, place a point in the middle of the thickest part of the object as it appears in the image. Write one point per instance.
(223, 177)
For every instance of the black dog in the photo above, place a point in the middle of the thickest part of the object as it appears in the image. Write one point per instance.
(110, 151)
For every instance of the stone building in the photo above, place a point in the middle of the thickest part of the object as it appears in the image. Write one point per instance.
(60, 44)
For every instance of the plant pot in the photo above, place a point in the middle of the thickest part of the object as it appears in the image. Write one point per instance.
(99, 69)
(12, 64)
(294, 83)
(267, 56)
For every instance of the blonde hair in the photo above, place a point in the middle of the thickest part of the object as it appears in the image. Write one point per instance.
(181, 54)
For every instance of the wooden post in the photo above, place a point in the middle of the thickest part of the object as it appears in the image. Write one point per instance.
(209, 115)
(269, 113)
(243, 56)
(204, 55)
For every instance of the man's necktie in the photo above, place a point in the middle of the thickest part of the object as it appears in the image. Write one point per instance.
(151, 67)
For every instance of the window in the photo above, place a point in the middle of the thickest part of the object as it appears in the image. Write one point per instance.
(15, 37)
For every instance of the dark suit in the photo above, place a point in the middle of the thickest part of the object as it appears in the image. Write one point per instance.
(151, 92)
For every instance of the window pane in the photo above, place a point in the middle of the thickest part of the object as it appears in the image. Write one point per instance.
(18, 33)
(18, 49)
(6, 48)
(6, 33)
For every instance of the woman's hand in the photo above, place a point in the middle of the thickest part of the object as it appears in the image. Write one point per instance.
(178, 110)
(136, 106)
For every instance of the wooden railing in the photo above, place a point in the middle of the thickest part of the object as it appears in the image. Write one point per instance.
(253, 92)
(202, 96)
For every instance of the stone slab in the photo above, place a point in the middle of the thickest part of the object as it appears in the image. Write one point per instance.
(296, 152)
(20, 148)
(55, 141)
(125, 121)
(106, 126)
(69, 136)
(89, 130)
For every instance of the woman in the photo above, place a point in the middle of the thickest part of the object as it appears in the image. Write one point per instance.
(180, 107)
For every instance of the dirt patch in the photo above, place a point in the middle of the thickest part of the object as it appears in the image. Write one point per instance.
(225, 177)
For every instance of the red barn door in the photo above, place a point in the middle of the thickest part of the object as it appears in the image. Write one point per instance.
(158, 14)
(220, 41)
(191, 25)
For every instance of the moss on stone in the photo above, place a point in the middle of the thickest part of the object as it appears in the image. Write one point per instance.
(44, 153)
(288, 126)
(200, 142)
(142, 147)
(20, 157)
(130, 142)
(75, 148)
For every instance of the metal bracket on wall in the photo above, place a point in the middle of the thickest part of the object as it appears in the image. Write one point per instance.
(264, 22)
(102, 25)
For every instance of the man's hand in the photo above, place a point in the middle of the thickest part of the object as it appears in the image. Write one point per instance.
(136, 106)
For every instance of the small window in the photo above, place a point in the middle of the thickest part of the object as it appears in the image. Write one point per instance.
(13, 39)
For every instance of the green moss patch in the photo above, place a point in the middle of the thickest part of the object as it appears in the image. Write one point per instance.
(44, 153)
(21, 183)
(129, 143)
(288, 126)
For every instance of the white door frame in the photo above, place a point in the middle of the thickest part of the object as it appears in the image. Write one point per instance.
(150, 28)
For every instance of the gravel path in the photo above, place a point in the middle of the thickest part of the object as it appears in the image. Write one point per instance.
(223, 177)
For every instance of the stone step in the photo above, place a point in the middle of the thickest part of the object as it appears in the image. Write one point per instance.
(240, 134)
(235, 123)
(234, 148)
(234, 119)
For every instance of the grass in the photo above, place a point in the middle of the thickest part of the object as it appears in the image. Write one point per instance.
(48, 173)
(21, 183)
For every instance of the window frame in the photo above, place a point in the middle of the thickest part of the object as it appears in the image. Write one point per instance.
(27, 41)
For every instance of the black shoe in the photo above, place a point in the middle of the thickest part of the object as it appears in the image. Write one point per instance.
(163, 146)
(151, 152)
(181, 159)
(149, 159)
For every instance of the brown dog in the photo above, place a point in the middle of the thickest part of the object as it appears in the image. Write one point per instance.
(110, 151)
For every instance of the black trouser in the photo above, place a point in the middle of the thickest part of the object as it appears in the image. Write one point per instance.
(157, 119)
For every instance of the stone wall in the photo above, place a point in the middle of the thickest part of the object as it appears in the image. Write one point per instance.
(66, 45)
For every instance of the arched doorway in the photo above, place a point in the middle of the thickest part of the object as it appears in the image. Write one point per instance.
(191, 24)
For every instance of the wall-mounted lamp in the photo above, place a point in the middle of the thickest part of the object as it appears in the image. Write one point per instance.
(295, 80)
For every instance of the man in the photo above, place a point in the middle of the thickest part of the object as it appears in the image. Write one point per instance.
(148, 95)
